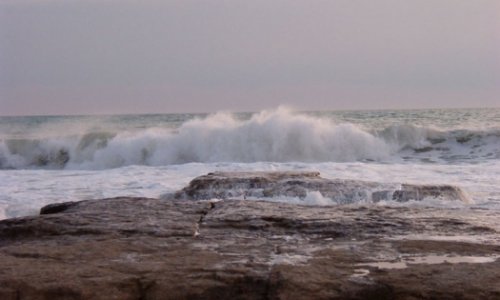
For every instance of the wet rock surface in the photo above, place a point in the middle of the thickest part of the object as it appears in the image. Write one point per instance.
(227, 185)
(138, 248)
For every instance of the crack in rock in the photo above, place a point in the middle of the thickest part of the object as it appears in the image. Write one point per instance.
(202, 218)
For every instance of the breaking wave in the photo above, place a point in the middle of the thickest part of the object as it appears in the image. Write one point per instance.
(279, 136)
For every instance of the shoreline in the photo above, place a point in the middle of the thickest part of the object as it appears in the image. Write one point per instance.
(183, 247)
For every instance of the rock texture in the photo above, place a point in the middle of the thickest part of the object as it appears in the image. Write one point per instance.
(138, 248)
(226, 185)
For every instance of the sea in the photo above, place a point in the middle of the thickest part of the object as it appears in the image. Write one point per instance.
(49, 159)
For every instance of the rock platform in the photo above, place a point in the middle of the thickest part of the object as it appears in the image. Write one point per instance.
(141, 248)
(230, 185)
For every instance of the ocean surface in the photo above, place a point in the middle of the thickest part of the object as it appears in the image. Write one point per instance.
(47, 159)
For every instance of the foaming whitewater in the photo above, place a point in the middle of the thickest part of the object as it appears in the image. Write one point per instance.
(267, 136)
(66, 158)
(272, 136)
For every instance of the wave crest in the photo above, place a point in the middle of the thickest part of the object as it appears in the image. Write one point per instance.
(277, 135)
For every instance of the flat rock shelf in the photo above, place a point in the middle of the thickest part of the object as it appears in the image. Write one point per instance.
(142, 248)
(230, 185)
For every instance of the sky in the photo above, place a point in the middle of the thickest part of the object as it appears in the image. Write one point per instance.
(170, 56)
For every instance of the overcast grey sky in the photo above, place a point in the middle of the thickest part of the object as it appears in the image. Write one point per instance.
(89, 56)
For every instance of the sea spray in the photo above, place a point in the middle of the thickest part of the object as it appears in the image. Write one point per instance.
(279, 135)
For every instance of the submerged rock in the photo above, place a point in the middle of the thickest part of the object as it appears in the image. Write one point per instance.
(242, 185)
(138, 248)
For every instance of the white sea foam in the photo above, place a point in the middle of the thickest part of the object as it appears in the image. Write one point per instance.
(24, 192)
(278, 135)
(313, 198)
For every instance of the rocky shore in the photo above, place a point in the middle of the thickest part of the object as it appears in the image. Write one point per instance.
(230, 185)
(175, 248)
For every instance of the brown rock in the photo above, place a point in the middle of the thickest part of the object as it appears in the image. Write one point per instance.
(242, 185)
(420, 192)
(137, 248)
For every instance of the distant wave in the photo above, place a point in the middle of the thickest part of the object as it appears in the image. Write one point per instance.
(279, 135)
